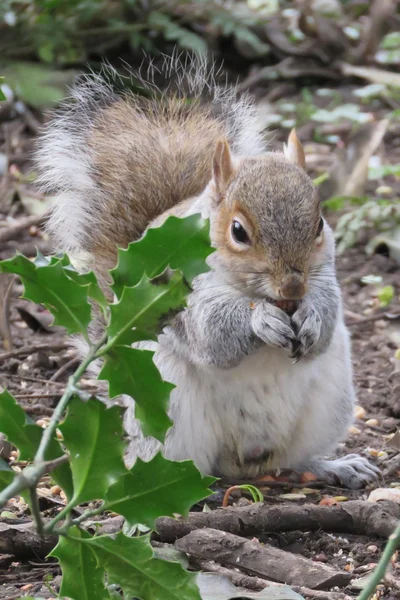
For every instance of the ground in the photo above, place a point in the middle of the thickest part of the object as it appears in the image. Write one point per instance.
(36, 377)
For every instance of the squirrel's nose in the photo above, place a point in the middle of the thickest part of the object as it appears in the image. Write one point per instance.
(292, 286)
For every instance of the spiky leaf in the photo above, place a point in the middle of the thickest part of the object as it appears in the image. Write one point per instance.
(25, 435)
(182, 244)
(142, 306)
(129, 563)
(131, 371)
(156, 488)
(93, 436)
(83, 577)
(49, 285)
(6, 474)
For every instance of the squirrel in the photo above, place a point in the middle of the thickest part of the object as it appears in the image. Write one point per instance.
(244, 403)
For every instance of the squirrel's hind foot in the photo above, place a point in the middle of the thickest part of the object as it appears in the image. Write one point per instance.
(351, 471)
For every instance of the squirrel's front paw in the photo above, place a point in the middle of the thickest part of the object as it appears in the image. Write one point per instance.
(307, 326)
(273, 326)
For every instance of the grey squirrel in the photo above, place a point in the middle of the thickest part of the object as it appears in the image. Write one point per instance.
(244, 402)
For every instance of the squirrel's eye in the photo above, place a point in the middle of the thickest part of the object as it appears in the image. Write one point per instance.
(320, 226)
(239, 233)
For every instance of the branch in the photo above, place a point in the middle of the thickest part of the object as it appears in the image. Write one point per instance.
(29, 478)
(31, 474)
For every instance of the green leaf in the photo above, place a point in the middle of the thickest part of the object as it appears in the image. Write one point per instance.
(49, 285)
(129, 563)
(157, 488)
(385, 295)
(6, 474)
(133, 372)
(93, 435)
(383, 171)
(82, 576)
(142, 306)
(25, 435)
(391, 41)
(182, 244)
(36, 84)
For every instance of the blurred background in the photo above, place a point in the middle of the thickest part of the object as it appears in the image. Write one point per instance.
(330, 68)
(327, 67)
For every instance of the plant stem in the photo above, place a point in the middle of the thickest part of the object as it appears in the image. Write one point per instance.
(35, 510)
(380, 570)
(64, 528)
(70, 390)
(31, 474)
(29, 477)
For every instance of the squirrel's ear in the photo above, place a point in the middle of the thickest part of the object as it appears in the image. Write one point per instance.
(294, 150)
(222, 167)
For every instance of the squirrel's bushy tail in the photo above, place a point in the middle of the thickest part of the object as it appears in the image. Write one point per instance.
(115, 162)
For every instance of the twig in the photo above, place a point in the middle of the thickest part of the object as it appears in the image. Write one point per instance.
(40, 409)
(37, 396)
(61, 406)
(379, 573)
(8, 281)
(355, 516)
(378, 317)
(34, 379)
(8, 233)
(63, 369)
(259, 559)
(25, 350)
(257, 584)
(34, 506)
(29, 477)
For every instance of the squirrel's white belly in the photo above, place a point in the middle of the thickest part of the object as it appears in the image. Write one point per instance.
(263, 414)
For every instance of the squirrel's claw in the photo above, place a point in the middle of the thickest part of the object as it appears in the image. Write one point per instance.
(297, 354)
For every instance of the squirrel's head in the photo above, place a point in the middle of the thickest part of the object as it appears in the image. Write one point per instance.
(266, 220)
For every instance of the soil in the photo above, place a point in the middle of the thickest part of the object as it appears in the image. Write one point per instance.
(376, 372)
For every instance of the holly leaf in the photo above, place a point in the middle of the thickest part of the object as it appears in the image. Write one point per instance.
(182, 244)
(25, 435)
(157, 488)
(131, 371)
(6, 474)
(82, 576)
(96, 449)
(141, 308)
(130, 564)
(49, 285)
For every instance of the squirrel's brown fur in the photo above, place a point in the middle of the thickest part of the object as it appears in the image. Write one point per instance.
(159, 154)
(118, 162)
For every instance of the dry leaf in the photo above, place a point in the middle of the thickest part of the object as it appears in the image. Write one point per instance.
(392, 494)
(293, 496)
(394, 441)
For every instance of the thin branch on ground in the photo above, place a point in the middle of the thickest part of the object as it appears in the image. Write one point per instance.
(74, 360)
(256, 584)
(26, 350)
(11, 231)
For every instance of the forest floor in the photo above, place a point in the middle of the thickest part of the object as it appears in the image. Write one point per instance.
(36, 367)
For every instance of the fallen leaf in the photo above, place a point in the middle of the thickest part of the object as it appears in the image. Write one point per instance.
(293, 496)
(394, 441)
(392, 494)
(328, 502)
(307, 476)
